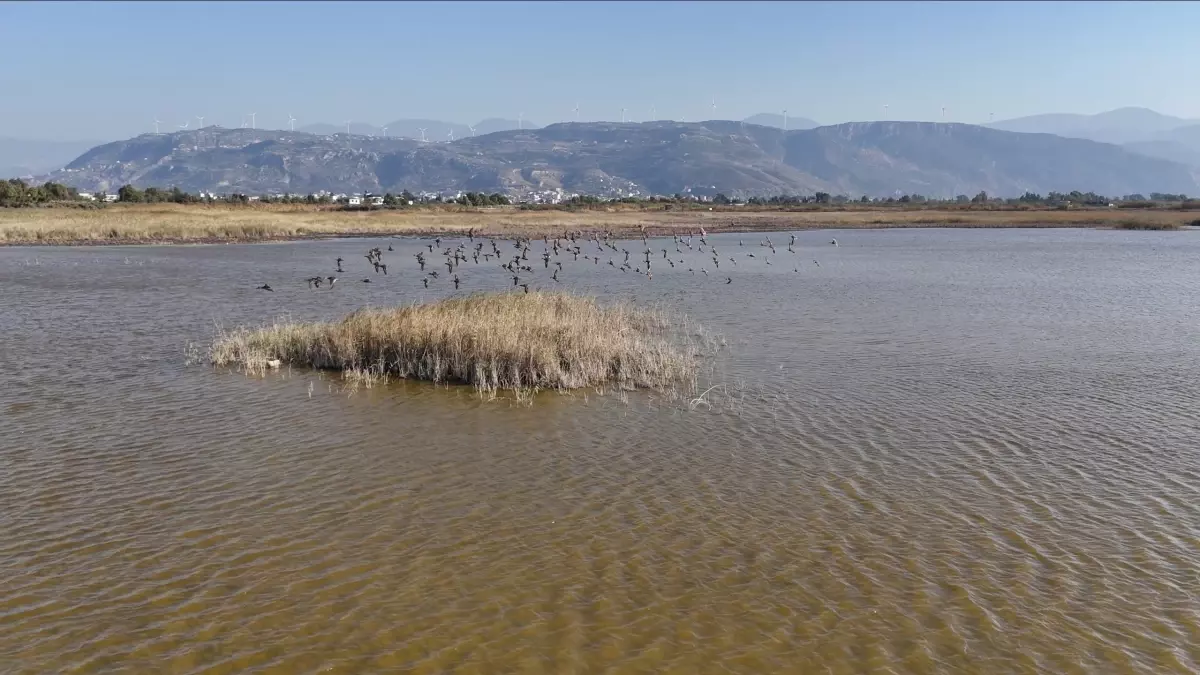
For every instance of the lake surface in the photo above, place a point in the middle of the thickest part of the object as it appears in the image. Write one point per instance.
(937, 451)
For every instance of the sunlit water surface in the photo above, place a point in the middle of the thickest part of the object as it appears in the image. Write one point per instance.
(951, 451)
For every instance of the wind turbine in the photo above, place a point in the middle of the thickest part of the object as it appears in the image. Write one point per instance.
(576, 111)
(520, 120)
(385, 132)
(201, 120)
(291, 122)
(785, 119)
(422, 130)
(156, 123)
(622, 115)
(184, 125)
(472, 130)
(451, 135)
(252, 126)
(991, 117)
(714, 108)
(885, 107)
(943, 113)
(653, 113)
(347, 127)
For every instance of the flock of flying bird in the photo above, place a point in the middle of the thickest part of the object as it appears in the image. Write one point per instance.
(575, 244)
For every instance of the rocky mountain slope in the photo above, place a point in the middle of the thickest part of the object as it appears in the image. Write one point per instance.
(739, 159)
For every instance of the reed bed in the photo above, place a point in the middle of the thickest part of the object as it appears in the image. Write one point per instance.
(1151, 225)
(169, 223)
(514, 342)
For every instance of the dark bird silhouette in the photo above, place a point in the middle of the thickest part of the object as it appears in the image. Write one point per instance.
(331, 280)
(366, 281)
(339, 265)
(426, 280)
(526, 287)
(389, 247)
(729, 280)
(266, 287)
(456, 282)
(314, 281)
(383, 267)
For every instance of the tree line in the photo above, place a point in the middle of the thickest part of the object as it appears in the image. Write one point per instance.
(16, 193)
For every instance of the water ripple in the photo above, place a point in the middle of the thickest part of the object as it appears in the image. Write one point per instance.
(939, 452)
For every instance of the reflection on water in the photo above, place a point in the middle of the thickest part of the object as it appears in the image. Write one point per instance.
(972, 452)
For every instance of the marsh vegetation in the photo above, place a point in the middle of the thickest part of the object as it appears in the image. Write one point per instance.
(519, 342)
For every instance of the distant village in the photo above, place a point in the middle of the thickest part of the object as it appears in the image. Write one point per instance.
(367, 199)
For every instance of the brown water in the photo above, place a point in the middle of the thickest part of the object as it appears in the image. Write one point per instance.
(952, 452)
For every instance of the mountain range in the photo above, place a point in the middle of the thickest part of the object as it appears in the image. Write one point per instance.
(604, 158)
(1141, 130)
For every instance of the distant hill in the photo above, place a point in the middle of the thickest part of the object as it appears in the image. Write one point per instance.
(1186, 135)
(773, 120)
(20, 157)
(739, 159)
(1174, 151)
(1124, 125)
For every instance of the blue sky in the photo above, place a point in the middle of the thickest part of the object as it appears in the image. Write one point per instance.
(106, 70)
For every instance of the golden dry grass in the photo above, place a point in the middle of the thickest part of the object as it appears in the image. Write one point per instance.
(171, 223)
(495, 341)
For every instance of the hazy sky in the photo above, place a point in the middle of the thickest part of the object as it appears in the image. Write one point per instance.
(105, 70)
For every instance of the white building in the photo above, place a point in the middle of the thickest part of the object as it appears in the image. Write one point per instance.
(110, 198)
(376, 201)
(354, 201)
(87, 196)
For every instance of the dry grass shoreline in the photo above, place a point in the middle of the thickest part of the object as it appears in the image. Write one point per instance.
(208, 224)
(514, 341)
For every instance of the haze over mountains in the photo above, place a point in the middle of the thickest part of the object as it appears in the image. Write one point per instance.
(613, 159)
(21, 157)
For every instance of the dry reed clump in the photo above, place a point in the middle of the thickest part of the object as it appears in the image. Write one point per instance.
(494, 341)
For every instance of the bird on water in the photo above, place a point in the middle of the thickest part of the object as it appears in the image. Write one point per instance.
(266, 287)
